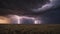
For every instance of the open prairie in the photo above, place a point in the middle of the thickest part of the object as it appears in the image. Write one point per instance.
(30, 29)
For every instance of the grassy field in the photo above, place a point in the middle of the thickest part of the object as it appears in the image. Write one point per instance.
(30, 29)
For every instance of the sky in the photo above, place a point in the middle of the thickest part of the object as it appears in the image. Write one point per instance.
(47, 10)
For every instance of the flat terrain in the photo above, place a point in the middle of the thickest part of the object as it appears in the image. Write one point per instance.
(30, 29)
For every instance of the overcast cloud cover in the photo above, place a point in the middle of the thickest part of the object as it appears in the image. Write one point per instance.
(46, 12)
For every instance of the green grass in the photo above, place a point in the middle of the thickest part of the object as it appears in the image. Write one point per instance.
(30, 29)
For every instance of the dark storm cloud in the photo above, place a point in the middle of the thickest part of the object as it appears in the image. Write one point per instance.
(52, 16)
(47, 6)
(23, 6)
(20, 3)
